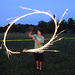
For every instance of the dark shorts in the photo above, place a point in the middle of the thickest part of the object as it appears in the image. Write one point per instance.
(39, 56)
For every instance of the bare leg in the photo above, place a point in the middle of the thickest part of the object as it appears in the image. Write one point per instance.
(37, 64)
(40, 65)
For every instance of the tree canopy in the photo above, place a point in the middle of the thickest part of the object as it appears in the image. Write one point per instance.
(47, 27)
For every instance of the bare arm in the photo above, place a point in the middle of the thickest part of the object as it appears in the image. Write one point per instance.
(31, 36)
(36, 41)
(30, 33)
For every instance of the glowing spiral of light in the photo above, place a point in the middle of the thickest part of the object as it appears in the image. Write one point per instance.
(9, 52)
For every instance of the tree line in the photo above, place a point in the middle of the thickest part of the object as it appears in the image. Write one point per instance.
(47, 27)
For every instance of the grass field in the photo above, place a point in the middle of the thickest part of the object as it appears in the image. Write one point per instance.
(62, 63)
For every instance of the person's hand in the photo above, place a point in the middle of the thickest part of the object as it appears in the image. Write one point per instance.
(32, 29)
(51, 43)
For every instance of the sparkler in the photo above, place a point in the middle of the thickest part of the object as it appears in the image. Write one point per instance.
(41, 49)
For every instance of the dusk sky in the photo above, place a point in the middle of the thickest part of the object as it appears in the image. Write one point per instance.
(10, 8)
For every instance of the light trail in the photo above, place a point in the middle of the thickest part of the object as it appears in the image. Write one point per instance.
(62, 16)
(12, 18)
(41, 49)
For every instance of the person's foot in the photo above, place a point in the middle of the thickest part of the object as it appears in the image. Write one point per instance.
(37, 68)
(40, 69)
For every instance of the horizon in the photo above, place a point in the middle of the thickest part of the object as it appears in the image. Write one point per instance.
(31, 24)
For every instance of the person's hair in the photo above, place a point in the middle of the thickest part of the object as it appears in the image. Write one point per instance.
(40, 31)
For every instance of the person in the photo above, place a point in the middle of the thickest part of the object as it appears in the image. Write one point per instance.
(39, 40)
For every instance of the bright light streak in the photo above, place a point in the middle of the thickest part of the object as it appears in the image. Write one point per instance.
(41, 49)
(63, 16)
(28, 8)
(12, 18)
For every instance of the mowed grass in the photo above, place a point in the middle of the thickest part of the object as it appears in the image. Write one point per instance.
(61, 63)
